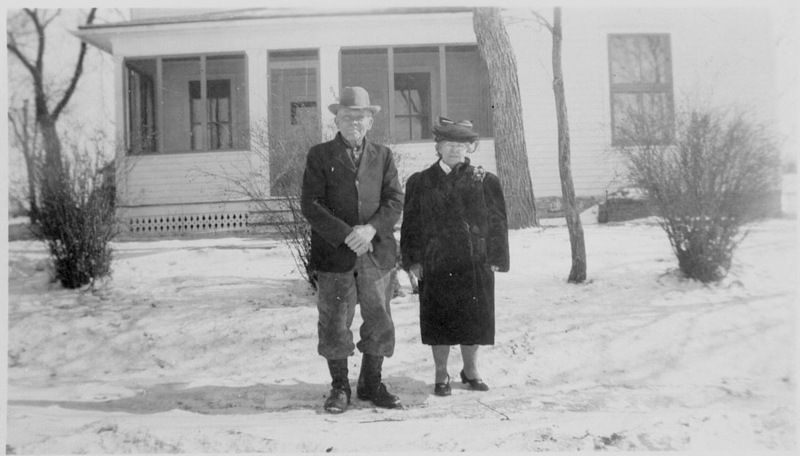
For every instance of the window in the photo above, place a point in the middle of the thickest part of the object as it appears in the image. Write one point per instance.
(641, 85)
(141, 106)
(217, 127)
(294, 116)
(182, 104)
(426, 82)
(412, 106)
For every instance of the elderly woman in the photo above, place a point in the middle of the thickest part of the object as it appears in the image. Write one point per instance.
(454, 237)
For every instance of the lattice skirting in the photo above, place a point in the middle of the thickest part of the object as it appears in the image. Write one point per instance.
(186, 223)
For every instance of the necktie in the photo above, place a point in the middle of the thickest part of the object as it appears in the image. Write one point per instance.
(355, 154)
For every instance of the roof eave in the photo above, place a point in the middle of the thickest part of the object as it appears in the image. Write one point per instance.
(100, 35)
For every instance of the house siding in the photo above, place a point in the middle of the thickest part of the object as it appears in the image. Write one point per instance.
(721, 57)
(151, 180)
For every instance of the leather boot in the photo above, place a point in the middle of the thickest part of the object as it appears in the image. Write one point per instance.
(370, 387)
(339, 398)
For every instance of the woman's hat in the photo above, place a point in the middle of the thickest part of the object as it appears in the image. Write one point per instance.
(456, 131)
(354, 98)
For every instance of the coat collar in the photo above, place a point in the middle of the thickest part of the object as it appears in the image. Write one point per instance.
(341, 152)
(458, 169)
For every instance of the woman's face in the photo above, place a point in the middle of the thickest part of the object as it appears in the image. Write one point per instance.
(452, 153)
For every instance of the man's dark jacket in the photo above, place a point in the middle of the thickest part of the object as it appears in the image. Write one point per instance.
(336, 197)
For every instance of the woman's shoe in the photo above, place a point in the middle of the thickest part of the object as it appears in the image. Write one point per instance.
(474, 383)
(442, 389)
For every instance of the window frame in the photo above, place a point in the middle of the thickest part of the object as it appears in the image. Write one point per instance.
(640, 88)
(202, 77)
(440, 81)
(205, 119)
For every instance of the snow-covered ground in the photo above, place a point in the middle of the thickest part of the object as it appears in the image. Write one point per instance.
(210, 346)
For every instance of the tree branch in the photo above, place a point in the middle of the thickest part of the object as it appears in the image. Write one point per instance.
(541, 19)
(77, 73)
(11, 45)
(39, 62)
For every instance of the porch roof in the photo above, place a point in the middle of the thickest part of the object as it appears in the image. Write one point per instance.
(100, 35)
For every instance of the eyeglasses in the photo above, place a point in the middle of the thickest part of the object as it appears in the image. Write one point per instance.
(455, 145)
(354, 117)
(443, 121)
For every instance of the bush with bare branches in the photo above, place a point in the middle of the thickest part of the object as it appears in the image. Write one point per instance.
(76, 217)
(272, 181)
(705, 178)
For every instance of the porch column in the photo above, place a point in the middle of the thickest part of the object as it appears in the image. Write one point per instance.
(121, 130)
(258, 107)
(258, 88)
(329, 87)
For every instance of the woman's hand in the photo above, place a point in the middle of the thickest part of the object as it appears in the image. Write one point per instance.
(416, 271)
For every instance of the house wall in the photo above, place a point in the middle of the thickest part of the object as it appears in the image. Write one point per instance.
(720, 57)
(181, 178)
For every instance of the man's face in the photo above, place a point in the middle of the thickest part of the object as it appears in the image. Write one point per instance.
(354, 123)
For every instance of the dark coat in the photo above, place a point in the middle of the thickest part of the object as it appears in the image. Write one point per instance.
(455, 226)
(336, 197)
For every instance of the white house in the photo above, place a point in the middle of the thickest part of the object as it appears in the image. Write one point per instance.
(193, 89)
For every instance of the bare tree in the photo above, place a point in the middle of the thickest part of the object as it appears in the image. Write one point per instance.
(25, 137)
(510, 152)
(578, 272)
(26, 39)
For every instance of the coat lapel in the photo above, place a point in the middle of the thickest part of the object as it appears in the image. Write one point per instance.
(368, 158)
(340, 153)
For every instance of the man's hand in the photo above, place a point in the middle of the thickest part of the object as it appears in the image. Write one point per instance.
(360, 239)
(416, 271)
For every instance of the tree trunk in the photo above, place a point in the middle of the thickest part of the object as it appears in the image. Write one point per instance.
(509, 138)
(51, 143)
(25, 137)
(578, 272)
(52, 170)
(32, 166)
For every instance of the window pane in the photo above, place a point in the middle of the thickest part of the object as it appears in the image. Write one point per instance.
(639, 59)
(468, 95)
(639, 114)
(412, 106)
(641, 91)
(416, 82)
(179, 135)
(231, 72)
(625, 110)
(655, 59)
(624, 60)
(369, 68)
(658, 109)
(184, 116)
(217, 114)
(141, 127)
(418, 87)
(294, 117)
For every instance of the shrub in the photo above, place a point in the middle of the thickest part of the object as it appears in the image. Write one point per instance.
(76, 218)
(279, 158)
(704, 184)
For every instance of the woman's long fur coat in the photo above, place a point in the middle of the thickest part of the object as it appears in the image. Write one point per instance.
(455, 226)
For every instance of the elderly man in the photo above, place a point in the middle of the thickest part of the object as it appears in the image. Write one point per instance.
(352, 198)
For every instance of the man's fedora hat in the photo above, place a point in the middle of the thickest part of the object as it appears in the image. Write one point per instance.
(354, 98)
